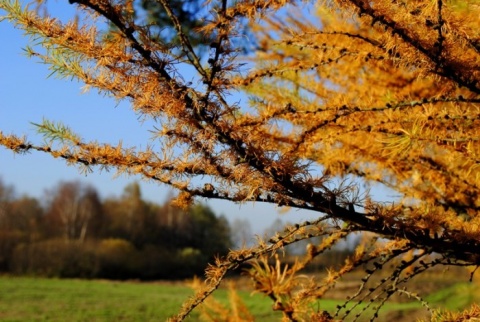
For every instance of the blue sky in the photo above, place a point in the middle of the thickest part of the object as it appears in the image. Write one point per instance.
(27, 95)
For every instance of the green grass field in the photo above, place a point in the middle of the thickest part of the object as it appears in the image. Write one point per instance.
(40, 299)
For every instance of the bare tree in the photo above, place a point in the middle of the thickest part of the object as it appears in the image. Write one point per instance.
(74, 209)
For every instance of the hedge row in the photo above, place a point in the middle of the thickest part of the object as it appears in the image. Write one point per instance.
(108, 258)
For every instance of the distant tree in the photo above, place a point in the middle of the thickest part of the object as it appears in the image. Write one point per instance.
(9, 236)
(136, 212)
(342, 94)
(173, 222)
(20, 222)
(241, 233)
(7, 196)
(169, 215)
(207, 232)
(74, 210)
(27, 216)
(190, 14)
(132, 218)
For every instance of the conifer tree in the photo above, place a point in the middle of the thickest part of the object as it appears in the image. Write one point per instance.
(188, 12)
(347, 93)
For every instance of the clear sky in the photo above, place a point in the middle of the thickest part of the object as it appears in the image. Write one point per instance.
(27, 95)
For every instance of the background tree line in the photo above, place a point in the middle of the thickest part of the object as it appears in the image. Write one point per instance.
(74, 233)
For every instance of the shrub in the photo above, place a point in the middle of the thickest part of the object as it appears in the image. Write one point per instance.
(55, 258)
(116, 258)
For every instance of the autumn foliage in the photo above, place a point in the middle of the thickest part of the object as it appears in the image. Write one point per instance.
(337, 96)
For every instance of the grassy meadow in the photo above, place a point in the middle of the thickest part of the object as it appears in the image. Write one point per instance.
(41, 299)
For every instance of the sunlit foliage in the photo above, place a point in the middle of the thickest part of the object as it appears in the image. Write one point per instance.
(340, 94)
